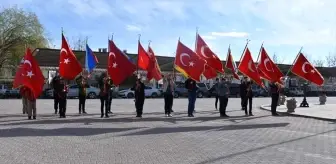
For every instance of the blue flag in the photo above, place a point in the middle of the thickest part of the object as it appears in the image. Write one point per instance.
(90, 60)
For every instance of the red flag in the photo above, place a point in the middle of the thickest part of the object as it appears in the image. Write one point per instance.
(268, 67)
(188, 62)
(209, 72)
(231, 64)
(155, 72)
(248, 68)
(307, 71)
(205, 53)
(119, 66)
(144, 61)
(263, 75)
(19, 73)
(69, 66)
(30, 75)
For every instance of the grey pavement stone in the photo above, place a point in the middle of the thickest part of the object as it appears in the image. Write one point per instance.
(154, 139)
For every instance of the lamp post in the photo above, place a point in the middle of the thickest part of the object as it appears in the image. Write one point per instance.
(304, 102)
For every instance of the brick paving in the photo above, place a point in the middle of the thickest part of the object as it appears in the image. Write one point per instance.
(154, 139)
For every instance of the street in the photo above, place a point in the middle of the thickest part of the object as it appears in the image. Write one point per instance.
(155, 139)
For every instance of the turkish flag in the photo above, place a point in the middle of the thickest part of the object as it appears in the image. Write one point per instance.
(188, 62)
(263, 75)
(69, 66)
(155, 72)
(269, 68)
(248, 68)
(203, 51)
(307, 71)
(231, 64)
(29, 75)
(119, 66)
(144, 61)
(209, 72)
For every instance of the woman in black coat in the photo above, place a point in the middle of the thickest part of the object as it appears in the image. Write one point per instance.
(139, 91)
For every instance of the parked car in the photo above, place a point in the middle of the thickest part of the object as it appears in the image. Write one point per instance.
(203, 90)
(180, 90)
(294, 91)
(259, 92)
(149, 92)
(91, 92)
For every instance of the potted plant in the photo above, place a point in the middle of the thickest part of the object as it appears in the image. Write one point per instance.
(323, 98)
(291, 105)
(282, 99)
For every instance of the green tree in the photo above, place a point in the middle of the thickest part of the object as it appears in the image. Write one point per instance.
(19, 29)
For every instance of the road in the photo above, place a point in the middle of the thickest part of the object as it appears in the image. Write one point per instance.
(155, 139)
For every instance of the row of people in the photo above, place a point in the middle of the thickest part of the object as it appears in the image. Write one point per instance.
(105, 84)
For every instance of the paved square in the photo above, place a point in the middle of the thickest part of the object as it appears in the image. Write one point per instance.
(154, 139)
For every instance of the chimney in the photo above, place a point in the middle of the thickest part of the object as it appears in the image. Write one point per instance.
(125, 51)
(104, 49)
(99, 50)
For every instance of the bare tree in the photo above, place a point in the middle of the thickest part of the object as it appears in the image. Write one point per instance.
(331, 60)
(19, 29)
(276, 59)
(318, 63)
(79, 43)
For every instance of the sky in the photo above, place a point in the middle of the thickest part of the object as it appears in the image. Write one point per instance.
(284, 26)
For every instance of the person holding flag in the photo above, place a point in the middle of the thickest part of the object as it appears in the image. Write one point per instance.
(31, 105)
(82, 84)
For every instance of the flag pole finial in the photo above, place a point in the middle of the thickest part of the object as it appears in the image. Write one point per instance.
(62, 29)
(112, 36)
(149, 42)
(196, 30)
(139, 35)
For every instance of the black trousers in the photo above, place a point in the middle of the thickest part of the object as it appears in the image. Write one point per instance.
(216, 101)
(274, 104)
(139, 103)
(109, 103)
(56, 101)
(82, 99)
(103, 103)
(168, 100)
(62, 107)
(242, 99)
(248, 101)
(223, 101)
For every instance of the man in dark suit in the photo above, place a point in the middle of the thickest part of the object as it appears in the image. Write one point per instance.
(248, 96)
(55, 83)
(190, 84)
(275, 88)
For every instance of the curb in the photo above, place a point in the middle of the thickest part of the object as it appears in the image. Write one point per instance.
(263, 107)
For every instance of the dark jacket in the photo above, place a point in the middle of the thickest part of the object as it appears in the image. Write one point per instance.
(104, 88)
(274, 88)
(139, 92)
(242, 88)
(62, 91)
(56, 84)
(81, 87)
(249, 91)
(192, 87)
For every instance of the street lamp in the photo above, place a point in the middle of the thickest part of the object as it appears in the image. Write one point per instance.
(304, 102)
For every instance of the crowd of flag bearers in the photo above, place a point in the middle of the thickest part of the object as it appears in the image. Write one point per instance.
(192, 64)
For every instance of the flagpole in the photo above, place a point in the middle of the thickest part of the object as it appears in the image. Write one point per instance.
(149, 42)
(137, 67)
(262, 45)
(247, 41)
(196, 38)
(290, 69)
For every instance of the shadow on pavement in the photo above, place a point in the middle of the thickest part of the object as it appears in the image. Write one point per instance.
(172, 120)
(165, 130)
(24, 132)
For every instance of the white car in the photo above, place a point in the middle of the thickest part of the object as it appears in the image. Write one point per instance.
(149, 92)
(91, 92)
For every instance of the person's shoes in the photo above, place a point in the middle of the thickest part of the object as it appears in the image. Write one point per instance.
(246, 114)
(102, 116)
(84, 112)
(169, 115)
(80, 112)
(251, 114)
(166, 115)
(34, 117)
(29, 117)
(107, 116)
(56, 112)
(139, 116)
(242, 109)
(171, 110)
(191, 115)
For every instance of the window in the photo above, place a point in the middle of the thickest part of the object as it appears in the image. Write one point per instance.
(201, 85)
(87, 86)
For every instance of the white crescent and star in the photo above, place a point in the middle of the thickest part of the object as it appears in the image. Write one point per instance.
(30, 74)
(265, 64)
(181, 58)
(66, 61)
(114, 64)
(250, 66)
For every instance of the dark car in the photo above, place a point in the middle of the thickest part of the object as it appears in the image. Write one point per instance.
(203, 90)
(180, 90)
(234, 90)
